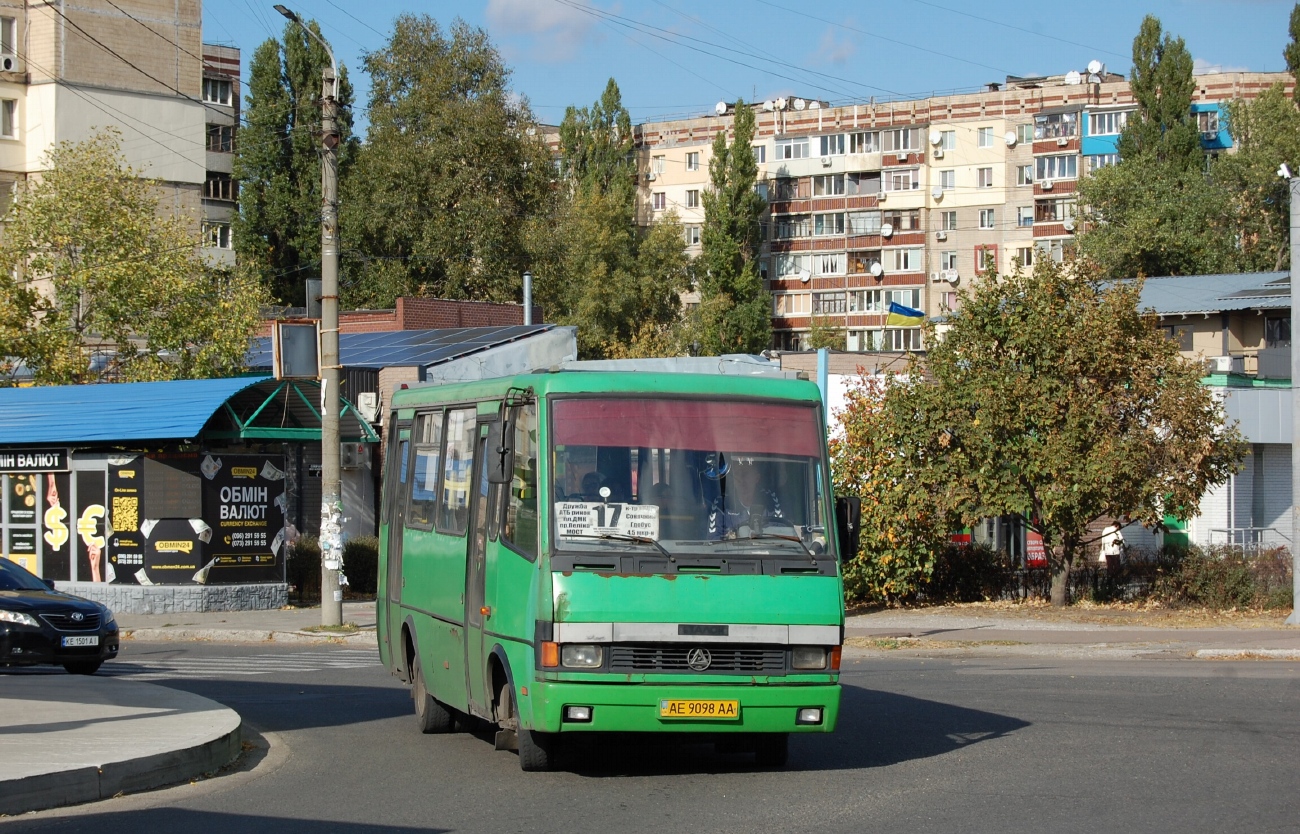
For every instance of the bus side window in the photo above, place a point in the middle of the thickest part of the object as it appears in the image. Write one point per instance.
(519, 525)
(424, 480)
(458, 466)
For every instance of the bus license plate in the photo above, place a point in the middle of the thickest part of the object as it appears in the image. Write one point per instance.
(92, 640)
(693, 708)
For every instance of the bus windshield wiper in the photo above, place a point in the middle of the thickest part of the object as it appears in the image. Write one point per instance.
(622, 537)
(786, 537)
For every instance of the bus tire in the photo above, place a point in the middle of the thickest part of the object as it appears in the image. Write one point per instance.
(432, 716)
(537, 751)
(772, 750)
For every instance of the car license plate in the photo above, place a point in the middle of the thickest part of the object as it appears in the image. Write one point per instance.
(91, 640)
(695, 708)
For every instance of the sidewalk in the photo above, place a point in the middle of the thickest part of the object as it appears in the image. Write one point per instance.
(67, 739)
(285, 625)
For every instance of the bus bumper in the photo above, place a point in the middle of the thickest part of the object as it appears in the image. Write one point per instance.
(636, 708)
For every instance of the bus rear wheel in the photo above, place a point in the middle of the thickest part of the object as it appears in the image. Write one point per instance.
(431, 715)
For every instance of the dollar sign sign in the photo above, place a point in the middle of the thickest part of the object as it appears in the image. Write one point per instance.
(56, 532)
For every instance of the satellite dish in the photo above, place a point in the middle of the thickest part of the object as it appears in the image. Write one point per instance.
(720, 108)
(814, 105)
(1073, 77)
(876, 269)
(1096, 67)
(887, 230)
(800, 104)
(804, 275)
(769, 105)
(780, 104)
(937, 192)
(935, 137)
(1010, 138)
(1068, 224)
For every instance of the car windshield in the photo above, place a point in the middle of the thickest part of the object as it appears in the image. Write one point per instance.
(14, 577)
(707, 477)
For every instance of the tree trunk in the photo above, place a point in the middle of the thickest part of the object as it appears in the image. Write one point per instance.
(1061, 579)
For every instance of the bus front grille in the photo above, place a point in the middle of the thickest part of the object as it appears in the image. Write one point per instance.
(674, 658)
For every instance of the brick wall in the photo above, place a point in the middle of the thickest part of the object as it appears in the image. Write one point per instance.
(436, 313)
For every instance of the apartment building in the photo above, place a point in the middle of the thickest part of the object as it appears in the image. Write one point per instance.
(910, 201)
(69, 71)
(221, 113)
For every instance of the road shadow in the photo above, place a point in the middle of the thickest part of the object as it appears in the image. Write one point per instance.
(181, 819)
(876, 729)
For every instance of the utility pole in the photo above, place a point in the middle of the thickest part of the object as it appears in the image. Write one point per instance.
(331, 501)
(1293, 187)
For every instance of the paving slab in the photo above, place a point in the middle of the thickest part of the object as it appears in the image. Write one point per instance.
(284, 625)
(67, 739)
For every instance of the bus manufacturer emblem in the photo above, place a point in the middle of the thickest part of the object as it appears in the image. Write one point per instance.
(698, 659)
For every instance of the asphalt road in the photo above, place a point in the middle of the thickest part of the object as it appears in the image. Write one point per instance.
(936, 744)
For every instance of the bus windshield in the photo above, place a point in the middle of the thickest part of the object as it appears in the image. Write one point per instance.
(685, 476)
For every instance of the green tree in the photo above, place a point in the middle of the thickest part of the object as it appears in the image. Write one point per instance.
(1292, 51)
(824, 332)
(596, 147)
(735, 310)
(451, 171)
(1162, 84)
(1013, 413)
(277, 164)
(96, 284)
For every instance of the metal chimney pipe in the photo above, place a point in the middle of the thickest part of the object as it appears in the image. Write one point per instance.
(528, 297)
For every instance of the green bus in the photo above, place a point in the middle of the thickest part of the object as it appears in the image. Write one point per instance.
(576, 552)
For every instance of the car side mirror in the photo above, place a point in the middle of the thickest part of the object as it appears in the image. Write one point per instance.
(500, 455)
(848, 530)
(49, 583)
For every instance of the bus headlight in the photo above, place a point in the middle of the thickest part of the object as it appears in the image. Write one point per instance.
(808, 657)
(581, 657)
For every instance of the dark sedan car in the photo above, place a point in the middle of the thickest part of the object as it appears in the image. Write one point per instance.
(41, 625)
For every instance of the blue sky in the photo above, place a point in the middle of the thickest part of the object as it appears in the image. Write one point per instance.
(675, 58)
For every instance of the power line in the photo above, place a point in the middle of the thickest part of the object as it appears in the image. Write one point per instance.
(1019, 28)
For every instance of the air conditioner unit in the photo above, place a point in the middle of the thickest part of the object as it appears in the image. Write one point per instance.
(368, 406)
(902, 158)
(938, 153)
(1062, 142)
(352, 455)
(1046, 184)
(936, 277)
(941, 235)
(826, 162)
(1226, 364)
(880, 198)
(651, 177)
(1207, 135)
(10, 63)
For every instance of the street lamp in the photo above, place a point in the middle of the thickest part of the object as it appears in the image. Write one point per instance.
(331, 513)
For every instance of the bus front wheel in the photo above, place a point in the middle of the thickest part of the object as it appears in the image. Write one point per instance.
(537, 751)
(432, 716)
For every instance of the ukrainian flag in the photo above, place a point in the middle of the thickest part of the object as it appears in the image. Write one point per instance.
(900, 316)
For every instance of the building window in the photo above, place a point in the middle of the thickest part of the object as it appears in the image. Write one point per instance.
(947, 180)
(832, 264)
(216, 235)
(219, 187)
(693, 198)
(693, 161)
(860, 263)
(692, 235)
(986, 257)
(789, 264)
(908, 260)
(867, 141)
(829, 185)
(1063, 167)
(1054, 211)
(1024, 215)
(760, 154)
(1207, 122)
(1277, 332)
(948, 221)
(792, 148)
(1025, 133)
(864, 222)
(826, 303)
(8, 36)
(1107, 124)
(947, 140)
(799, 225)
(9, 118)
(903, 179)
(1024, 175)
(221, 138)
(901, 140)
(785, 188)
(862, 183)
(831, 145)
(988, 218)
(1102, 160)
(904, 220)
(1056, 126)
(657, 165)
(217, 91)
(1054, 249)
(659, 200)
(866, 301)
(1025, 255)
(984, 137)
(948, 260)
(828, 224)
(790, 303)
(984, 177)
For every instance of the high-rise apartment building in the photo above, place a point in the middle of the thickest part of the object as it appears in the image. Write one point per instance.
(909, 201)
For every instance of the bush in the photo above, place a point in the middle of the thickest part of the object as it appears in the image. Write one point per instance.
(968, 574)
(303, 570)
(361, 564)
(1225, 577)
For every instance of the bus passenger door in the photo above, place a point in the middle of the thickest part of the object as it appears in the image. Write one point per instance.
(477, 617)
(395, 498)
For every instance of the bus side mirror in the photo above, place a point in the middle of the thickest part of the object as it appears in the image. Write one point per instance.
(500, 456)
(848, 532)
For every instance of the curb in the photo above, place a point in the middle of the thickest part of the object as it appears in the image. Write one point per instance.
(1250, 654)
(365, 637)
(90, 783)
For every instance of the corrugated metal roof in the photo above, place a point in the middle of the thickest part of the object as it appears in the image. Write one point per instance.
(113, 412)
(396, 348)
(1217, 293)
